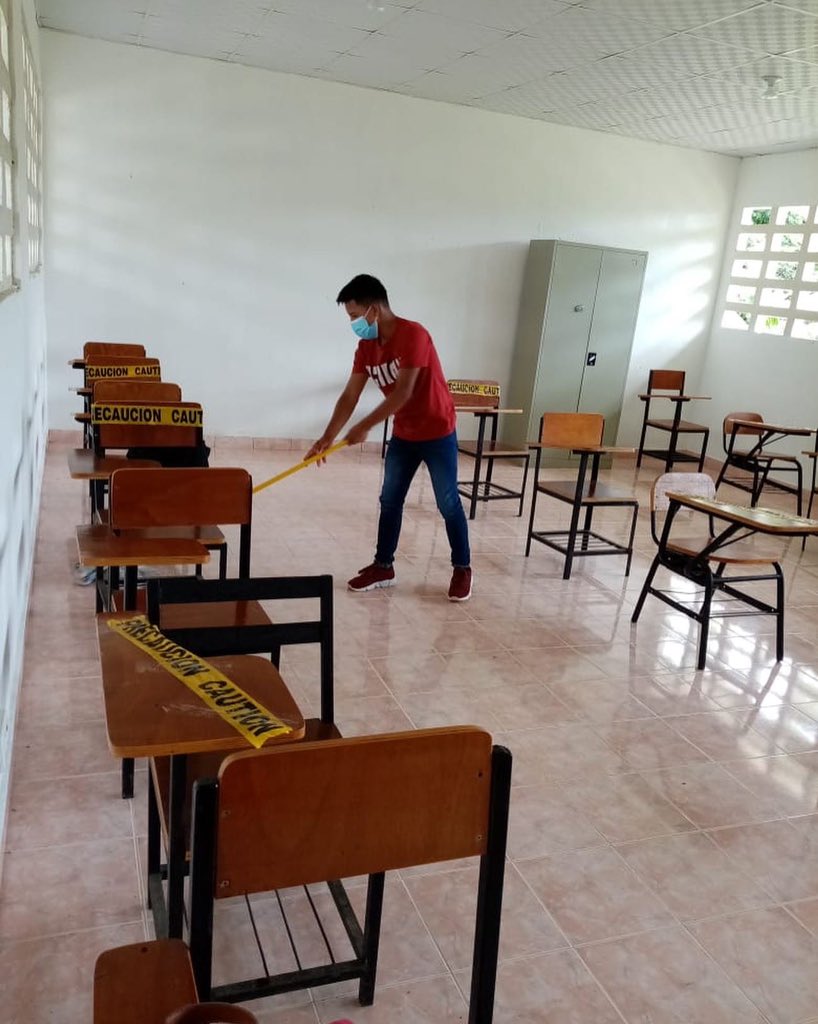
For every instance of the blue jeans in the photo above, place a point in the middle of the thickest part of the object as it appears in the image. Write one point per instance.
(402, 461)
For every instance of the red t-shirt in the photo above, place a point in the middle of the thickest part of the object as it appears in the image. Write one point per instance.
(429, 413)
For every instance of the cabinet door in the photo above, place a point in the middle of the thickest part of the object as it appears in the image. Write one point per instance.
(567, 327)
(611, 336)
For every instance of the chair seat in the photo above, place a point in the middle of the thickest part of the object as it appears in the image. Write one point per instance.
(747, 553)
(201, 615)
(683, 427)
(598, 494)
(493, 450)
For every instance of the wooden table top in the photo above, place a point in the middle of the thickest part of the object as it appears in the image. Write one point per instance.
(77, 364)
(482, 410)
(677, 398)
(150, 713)
(84, 465)
(773, 428)
(763, 520)
(98, 546)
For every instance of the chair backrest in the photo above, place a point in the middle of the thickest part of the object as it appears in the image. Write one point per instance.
(571, 429)
(727, 426)
(667, 380)
(135, 391)
(112, 348)
(143, 498)
(310, 812)
(106, 367)
(149, 425)
(700, 485)
(250, 635)
(482, 394)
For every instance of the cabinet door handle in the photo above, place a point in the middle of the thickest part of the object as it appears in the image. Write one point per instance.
(590, 359)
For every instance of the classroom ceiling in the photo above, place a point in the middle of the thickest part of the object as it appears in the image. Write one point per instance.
(684, 72)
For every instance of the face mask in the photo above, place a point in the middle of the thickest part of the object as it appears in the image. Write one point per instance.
(364, 329)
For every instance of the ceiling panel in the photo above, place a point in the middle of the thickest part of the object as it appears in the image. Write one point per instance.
(681, 71)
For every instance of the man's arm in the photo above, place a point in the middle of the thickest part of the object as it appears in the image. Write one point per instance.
(400, 395)
(344, 408)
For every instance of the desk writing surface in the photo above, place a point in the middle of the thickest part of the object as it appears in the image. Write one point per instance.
(763, 520)
(98, 546)
(83, 464)
(150, 713)
(773, 428)
(678, 398)
(482, 410)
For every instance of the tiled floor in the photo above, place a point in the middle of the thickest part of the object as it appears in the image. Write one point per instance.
(664, 832)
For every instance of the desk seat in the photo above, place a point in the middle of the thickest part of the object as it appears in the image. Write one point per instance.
(590, 494)
(493, 449)
(682, 427)
(83, 464)
(746, 553)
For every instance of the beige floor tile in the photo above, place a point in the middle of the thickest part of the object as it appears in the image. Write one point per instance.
(625, 808)
(782, 856)
(431, 1001)
(649, 744)
(807, 913)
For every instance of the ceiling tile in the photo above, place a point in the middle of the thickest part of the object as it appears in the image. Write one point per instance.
(509, 15)
(673, 15)
(809, 54)
(806, 6)
(690, 55)
(768, 29)
(353, 13)
(794, 75)
(421, 27)
(593, 35)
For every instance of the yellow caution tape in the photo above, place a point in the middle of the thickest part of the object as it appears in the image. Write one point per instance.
(467, 387)
(120, 372)
(255, 723)
(145, 415)
(299, 465)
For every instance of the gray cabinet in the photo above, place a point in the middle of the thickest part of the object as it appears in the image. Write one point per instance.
(574, 334)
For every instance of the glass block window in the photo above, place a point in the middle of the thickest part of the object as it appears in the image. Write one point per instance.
(6, 200)
(33, 115)
(773, 287)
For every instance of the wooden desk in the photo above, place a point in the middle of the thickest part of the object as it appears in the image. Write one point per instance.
(83, 464)
(674, 427)
(150, 713)
(756, 461)
(704, 562)
(478, 489)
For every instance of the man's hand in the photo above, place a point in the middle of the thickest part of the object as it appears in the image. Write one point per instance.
(357, 434)
(320, 445)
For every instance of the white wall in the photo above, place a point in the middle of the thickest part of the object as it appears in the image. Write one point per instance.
(746, 371)
(22, 428)
(213, 211)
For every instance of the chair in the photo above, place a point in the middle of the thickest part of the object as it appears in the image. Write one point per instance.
(307, 813)
(695, 559)
(482, 398)
(670, 385)
(213, 618)
(756, 460)
(112, 348)
(580, 433)
(180, 503)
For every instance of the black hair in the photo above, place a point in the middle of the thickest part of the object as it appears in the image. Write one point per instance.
(363, 289)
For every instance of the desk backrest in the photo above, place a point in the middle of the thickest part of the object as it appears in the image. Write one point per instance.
(141, 425)
(667, 380)
(106, 367)
(571, 429)
(137, 391)
(309, 812)
(142, 498)
(475, 393)
(112, 348)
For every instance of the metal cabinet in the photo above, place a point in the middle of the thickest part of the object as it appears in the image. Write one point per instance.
(574, 334)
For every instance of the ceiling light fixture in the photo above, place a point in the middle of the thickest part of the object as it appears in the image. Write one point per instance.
(772, 87)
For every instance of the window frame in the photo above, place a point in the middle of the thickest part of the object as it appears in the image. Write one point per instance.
(7, 162)
(32, 111)
(766, 255)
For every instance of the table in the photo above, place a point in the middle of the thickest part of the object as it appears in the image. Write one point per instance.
(84, 464)
(754, 460)
(150, 713)
(692, 561)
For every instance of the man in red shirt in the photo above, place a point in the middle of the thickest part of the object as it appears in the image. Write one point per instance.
(400, 357)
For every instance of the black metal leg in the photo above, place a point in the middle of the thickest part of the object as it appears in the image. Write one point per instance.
(575, 511)
(127, 777)
(275, 655)
(641, 448)
(490, 460)
(177, 842)
(372, 937)
(704, 619)
(131, 585)
(490, 893)
(645, 588)
(525, 481)
(154, 834)
(630, 540)
(779, 612)
(202, 882)
(223, 562)
(327, 655)
(383, 442)
(705, 441)
(533, 502)
(478, 460)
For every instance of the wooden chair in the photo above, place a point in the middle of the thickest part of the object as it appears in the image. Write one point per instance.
(756, 460)
(184, 503)
(580, 433)
(214, 618)
(152, 983)
(696, 559)
(670, 385)
(306, 813)
(112, 348)
(482, 398)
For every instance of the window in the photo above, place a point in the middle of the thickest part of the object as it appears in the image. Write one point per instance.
(6, 204)
(773, 285)
(32, 108)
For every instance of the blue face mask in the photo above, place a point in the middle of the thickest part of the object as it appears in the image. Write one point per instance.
(364, 329)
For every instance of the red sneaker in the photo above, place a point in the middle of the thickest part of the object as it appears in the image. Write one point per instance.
(460, 587)
(373, 577)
